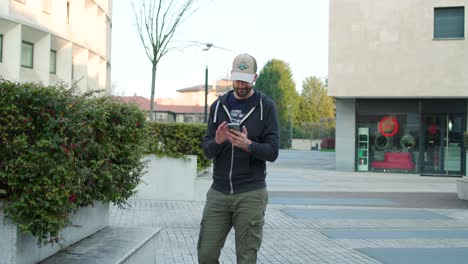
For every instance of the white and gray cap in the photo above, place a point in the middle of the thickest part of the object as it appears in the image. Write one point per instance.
(244, 68)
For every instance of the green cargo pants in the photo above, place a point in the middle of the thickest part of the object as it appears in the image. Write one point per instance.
(245, 212)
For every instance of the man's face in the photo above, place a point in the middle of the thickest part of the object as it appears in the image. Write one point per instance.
(242, 89)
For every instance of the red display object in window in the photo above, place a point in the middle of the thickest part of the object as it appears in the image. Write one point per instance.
(433, 129)
(395, 160)
(388, 126)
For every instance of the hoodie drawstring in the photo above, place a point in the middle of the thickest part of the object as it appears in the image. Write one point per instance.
(261, 109)
(216, 112)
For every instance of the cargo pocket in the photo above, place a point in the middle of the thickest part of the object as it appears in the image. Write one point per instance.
(255, 234)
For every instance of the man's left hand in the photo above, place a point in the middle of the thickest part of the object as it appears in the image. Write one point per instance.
(239, 139)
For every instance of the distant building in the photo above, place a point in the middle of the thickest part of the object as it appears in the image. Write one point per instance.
(195, 95)
(168, 113)
(52, 41)
(398, 71)
(188, 107)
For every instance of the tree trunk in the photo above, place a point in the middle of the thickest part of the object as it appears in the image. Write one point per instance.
(153, 82)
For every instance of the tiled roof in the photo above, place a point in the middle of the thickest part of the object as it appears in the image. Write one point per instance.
(142, 102)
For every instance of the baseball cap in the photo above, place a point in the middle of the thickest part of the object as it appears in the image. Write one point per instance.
(244, 68)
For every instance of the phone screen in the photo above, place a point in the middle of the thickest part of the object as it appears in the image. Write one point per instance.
(234, 126)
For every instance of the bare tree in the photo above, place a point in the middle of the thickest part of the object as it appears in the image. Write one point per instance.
(157, 21)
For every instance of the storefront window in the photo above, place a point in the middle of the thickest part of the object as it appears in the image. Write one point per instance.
(393, 140)
(414, 136)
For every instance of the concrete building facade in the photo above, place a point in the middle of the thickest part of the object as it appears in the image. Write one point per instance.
(398, 70)
(52, 41)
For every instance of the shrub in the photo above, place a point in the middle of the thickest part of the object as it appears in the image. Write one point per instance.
(300, 133)
(61, 151)
(177, 140)
(327, 143)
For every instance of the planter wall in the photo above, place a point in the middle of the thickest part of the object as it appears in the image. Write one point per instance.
(168, 179)
(462, 188)
(19, 248)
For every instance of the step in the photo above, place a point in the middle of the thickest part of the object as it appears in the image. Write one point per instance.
(112, 245)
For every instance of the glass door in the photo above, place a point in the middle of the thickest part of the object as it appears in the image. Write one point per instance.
(442, 144)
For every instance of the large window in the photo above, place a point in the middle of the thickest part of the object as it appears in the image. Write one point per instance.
(1, 48)
(53, 62)
(27, 54)
(393, 140)
(416, 136)
(393, 135)
(449, 22)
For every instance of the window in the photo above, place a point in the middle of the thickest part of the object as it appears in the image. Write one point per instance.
(388, 129)
(1, 48)
(53, 62)
(46, 6)
(449, 22)
(27, 54)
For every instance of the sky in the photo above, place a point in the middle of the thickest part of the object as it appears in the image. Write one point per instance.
(294, 31)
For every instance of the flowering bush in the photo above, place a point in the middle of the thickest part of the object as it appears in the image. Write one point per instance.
(60, 151)
(327, 143)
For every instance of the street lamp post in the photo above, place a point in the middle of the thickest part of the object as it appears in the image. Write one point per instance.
(290, 126)
(208, 46)
(290, 131)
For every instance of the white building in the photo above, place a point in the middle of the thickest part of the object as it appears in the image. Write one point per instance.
(398, 70)
(51, 41)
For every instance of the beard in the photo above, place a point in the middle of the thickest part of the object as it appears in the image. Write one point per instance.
(242, 93)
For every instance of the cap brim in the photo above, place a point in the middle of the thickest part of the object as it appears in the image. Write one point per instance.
(241, 76)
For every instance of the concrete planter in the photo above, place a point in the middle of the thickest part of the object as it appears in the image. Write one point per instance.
(462, 188)
(169, 179)
(19, 248)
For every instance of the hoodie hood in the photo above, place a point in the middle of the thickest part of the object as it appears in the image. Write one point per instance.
(222, 102)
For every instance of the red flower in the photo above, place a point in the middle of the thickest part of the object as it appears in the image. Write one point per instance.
(72, 198)
(65, 148)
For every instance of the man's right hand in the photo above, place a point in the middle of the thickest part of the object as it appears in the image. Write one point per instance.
(221, 133)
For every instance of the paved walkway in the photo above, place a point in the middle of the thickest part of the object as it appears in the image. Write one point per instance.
(319, 215)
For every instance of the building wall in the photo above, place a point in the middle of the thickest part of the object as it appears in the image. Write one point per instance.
(386, 49)
(345, 134)
(82, 41)
(189, 98)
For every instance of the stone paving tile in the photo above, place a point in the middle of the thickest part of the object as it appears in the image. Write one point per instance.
(404, 243)
(286, 239)
(294, 240)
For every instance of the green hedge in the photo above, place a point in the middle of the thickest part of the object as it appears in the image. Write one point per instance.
(177, 140)
(60, 151)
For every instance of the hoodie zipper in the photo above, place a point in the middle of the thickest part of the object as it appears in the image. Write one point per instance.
(230, 171)
(232, 152)
(232, 146)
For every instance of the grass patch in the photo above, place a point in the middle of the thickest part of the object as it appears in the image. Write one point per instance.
(327, 150)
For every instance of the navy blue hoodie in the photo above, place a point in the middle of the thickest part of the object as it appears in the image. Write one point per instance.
(235, 170)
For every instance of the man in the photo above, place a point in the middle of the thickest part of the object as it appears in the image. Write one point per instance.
(238, 196)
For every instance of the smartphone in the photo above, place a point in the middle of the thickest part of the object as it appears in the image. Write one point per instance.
(234, 126)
